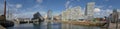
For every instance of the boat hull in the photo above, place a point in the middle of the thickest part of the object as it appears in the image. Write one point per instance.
(7, 24)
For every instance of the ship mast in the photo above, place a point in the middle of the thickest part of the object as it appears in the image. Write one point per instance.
(5, 9)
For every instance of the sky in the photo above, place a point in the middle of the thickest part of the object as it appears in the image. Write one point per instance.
(26, 8)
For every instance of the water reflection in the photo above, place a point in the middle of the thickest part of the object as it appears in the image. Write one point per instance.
(51, 25)
(36, 26)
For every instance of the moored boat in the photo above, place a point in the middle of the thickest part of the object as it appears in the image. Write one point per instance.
(7, 23)
(3, 21)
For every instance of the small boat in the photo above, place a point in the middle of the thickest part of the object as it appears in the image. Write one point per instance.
(3, 21)
(7, 23)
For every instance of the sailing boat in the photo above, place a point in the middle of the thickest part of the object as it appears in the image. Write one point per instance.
(3, 22)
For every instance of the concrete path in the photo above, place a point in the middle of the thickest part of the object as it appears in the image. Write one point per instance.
(113, 26)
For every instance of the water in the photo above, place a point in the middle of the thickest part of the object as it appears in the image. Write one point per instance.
(51, 25)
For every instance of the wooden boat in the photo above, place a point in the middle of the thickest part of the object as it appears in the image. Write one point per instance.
(7, 23)
(3, 22)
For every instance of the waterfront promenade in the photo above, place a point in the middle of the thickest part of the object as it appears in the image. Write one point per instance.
(111, 26)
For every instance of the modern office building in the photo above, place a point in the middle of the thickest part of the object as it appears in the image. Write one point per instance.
(71, 13)
(89, 11)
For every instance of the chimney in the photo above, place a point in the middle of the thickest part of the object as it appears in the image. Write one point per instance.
(5, 9)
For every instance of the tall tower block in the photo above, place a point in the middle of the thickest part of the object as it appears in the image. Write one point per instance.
(89, 12)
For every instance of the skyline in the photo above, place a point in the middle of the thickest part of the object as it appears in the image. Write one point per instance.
(26, 8)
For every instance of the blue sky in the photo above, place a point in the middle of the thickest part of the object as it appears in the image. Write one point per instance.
(26, 8)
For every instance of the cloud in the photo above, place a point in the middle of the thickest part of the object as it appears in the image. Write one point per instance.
(42, 13)
(39, 1)
(13, 8)
(99, 6)
(1, 6)
(118, 10)
(97, 10)
(25, 15)
(1, 9)
(108, 11)
(70, 6)
(103, 13)
(67, 4)
(28, 14)
(18, 5)
(110, 6)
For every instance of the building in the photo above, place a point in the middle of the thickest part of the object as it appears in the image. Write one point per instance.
(119, 12)
(71, 14)
(38, 16)
(49, 15)
(115, 15)
(89, 11)
(57, 17)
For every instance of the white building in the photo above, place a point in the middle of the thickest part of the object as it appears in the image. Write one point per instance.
(89, 12)
(71, 13)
